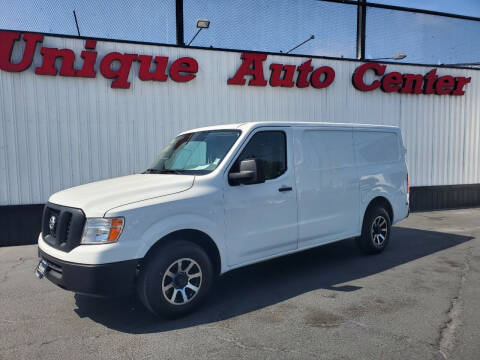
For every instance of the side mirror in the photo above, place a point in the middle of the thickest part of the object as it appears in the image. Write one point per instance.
(248, 173)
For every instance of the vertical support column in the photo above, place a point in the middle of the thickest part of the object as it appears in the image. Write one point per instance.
(361, 17)
(179, 21)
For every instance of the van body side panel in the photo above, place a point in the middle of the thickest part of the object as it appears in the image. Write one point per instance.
(381, 169)
(327, 185)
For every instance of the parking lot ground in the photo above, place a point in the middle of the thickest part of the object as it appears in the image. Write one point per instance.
(420, 299)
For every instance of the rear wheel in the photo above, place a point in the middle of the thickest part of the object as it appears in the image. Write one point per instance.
(375, 231)
(175, 279)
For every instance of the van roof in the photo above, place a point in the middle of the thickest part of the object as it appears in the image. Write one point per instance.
(256, 124)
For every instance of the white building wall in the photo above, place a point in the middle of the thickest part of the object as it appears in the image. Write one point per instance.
(57, 132)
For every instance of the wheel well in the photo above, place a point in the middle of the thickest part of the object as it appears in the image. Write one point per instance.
(383, 202)
(197, 237)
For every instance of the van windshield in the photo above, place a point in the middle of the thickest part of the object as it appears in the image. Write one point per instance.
(196, 153)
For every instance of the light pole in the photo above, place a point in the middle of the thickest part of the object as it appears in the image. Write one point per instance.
(201, 24)
(303, 42)
(398, 56)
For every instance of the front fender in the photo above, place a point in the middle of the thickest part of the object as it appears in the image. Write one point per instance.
(181, 222)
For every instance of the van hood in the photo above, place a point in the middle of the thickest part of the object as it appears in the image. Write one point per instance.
(96, 198)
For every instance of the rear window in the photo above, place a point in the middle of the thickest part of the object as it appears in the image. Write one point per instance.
(376, 147)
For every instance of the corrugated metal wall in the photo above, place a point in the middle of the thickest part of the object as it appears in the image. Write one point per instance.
(58, 132)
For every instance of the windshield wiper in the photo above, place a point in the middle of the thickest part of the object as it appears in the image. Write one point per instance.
(151, 171)
(165, 171)
(170, 171)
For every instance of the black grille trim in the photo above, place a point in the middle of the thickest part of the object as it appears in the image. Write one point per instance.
(53, 266)
(67, 233)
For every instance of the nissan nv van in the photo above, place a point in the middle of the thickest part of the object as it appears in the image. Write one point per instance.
(223, 197)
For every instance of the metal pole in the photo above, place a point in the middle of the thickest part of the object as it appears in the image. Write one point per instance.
(463, 64)
(361, 17)
(76, 22)
(179, 21)
(194, 36)
(310, 38)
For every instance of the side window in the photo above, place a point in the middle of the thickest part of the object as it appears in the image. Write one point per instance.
(376, 147)
(269, 148)
(328, 149)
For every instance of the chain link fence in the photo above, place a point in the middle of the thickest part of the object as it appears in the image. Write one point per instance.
(270, 26)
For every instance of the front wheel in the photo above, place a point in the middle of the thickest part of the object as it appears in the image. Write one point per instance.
(175, 279)
(375, 231)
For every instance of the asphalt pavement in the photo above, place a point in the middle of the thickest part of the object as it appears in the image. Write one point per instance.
(420, 299)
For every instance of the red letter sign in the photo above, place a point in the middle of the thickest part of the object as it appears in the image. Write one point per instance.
(252, 65)
(303, 71)
(120, 75)
(186, 65)
(48, 63)
(359, 73)
(7, 39)
(277, 69)
(159, 73)
(316, 81)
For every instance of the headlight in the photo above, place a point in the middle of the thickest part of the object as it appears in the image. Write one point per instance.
(101, 230)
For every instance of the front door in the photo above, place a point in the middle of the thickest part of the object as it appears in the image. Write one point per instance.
(261, 219)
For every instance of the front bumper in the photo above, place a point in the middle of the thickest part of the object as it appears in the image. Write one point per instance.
(104, 280)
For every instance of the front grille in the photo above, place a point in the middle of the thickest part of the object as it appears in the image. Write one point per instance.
(62, 226)
(56, 214)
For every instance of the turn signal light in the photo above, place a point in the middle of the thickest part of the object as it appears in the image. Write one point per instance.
(115, 229)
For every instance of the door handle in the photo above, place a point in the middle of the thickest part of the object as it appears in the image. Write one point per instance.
(285, 188)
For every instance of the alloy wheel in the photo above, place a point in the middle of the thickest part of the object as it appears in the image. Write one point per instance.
(379, 231)
(182, 281)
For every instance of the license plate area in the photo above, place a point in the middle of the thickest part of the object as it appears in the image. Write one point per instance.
(42, 269)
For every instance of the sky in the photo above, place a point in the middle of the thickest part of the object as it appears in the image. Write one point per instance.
(272, 26)
(461, 7)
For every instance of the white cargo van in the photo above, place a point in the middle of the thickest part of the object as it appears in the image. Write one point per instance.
(223, 197)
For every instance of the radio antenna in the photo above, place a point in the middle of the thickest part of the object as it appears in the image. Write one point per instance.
(76, 22)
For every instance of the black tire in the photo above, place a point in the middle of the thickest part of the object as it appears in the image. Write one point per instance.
(155, 285)
(369, 242)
